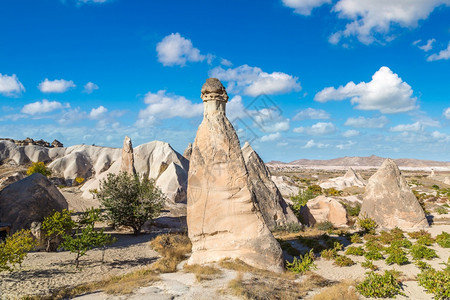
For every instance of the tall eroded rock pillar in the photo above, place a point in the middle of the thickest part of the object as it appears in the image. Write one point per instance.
(127, 157)
(223, 220)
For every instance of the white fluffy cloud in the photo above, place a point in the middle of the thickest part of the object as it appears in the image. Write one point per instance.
(369, 18)
(311, 114)
(313, 144)
(10, 85)
(269, 119)
(447, 113)
(98, 112)
(350, 133)
(271, 137)
(253, 81)
(387, 92)
(165, 106)
(90, 87)
(347, 145)
(320, 128)
(362, 122)
(235, 108)
(443, 54)
(55, 86)
(41, 107)
(417, 126)
(304, 7)
(177, 50)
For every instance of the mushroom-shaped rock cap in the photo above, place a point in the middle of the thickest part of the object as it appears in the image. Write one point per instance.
(214, 90)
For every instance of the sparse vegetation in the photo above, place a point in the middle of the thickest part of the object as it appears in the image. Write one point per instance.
(441, 210)
(302, 264)
(435, 282)
(325, 226)
(368, 264)
(352, 209)
(79, 180)
(130, 200)
(443, 240)
(291, 228)
(367, 224)
(173, 248)
(340, 291)
(202, 272)
(380, 286)
(39, 167)
(356, 239)
(352, 250)
(420, 251)
(14, 249)
(343, 261)
(396, 256)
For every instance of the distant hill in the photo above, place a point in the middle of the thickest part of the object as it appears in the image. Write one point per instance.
(356, 161)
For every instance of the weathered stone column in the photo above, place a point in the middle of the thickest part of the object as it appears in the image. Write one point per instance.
(223, 220)
(127, 157)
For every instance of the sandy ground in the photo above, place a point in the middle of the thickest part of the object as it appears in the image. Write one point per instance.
(41, 272)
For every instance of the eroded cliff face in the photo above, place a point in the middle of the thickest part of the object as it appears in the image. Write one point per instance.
(389, 200)
(222, 216)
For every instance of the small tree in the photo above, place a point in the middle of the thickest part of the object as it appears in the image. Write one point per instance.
(15, 248)
(86, 237)
(57, 225)
(39, 167)
(130, 200)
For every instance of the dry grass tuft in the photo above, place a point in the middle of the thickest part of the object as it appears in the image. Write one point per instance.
(202, 272)
(117, 285)
(240, 266)
(173, 248)
(341, 291)
(261, 287)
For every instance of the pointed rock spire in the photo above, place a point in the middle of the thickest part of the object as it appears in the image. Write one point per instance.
(127, 157)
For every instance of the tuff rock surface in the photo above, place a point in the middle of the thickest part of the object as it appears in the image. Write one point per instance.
(29, 200)
(127, 164)
(351, 178)
(321, 209)
(223, 218)
(269, 199)
(389, 200)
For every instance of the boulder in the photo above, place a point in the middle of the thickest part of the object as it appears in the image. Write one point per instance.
(351, 178)
(269, 199)
(286, 186)
(322, 209)
(223, 217)
(127, 164)
(29, 200)
(389, 200)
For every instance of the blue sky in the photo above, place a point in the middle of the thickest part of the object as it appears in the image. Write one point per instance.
(306, 78)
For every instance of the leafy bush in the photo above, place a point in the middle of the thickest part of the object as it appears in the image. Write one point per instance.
(56, 225)
(356, 238)
(15, 248)
(301, 199)
(328, 254)
(420, 251)
(343, 261)
(405, 243)
(302, 264)
(380, 286)
(352, 209)
(352, 250)
(315, 189)
(39, 167)
(79, 180)
(422, 265)
(86, 237)
(325, 226)
(332, 192)
(435, 282)
(367, 224)
(396, 256)
(435, 186)
(368, 264)
(373, 254)
(130, 200)
(291, 228)
(441, 210)
(443, 240)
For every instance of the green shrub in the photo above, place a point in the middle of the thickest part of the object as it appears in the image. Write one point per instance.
(302, 264)
(301, 199)
(15, 248)
(356, 239)
(291, 228)
(443, 240)
(441, 210)
(352, 250)
(332, 192)
(352, 209)
(325, 226)
(396, 256)
(343, 261)
(420, 251)
(395, 235)
(328, 254)
(405, 243)
(435, 282)
(367, 224)
(426, 240)
(86, 237)
(373, 254)
(380, 286)
(422, 265)
(56, 225)
(435, 187)
(315, 189)
(368, 264)
(417, 234)
(130, 200)
(39, 167)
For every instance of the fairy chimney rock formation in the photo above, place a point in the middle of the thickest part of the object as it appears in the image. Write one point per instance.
(188, 151)
(389, 200)
(222, 216)
(127, 157)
